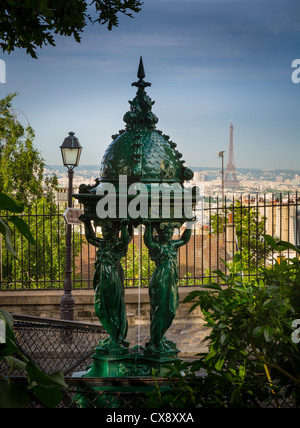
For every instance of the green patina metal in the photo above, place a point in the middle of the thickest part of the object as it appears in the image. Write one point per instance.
(144, 155)
(140, 151)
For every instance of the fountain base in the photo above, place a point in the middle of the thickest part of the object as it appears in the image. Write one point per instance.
(133, 364)
(130, 362)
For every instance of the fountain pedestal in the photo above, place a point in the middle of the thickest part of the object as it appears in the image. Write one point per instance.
(113, 366)
(132, 362)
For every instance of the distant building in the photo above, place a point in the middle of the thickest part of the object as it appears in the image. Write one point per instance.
(200, 176)
(61, 195)
(283, 222)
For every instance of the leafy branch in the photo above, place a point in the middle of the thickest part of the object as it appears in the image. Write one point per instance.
(15, 207)
(29, 25)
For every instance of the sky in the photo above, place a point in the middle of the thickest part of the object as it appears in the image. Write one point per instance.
(209, 62)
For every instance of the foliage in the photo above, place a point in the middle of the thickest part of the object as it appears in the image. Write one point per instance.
(251, 357)
(45, 388)
(21, 165)
(12, 206)
(31, 24)
(250, 228)
(41, 264)
(136, 262)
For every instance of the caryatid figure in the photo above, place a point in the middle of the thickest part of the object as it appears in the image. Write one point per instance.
(163, 288)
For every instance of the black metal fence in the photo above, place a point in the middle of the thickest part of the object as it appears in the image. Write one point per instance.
(222, 229)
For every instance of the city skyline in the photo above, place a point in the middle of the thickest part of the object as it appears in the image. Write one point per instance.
(208, 62)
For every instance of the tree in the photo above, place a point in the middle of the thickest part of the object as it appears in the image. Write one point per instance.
(31, 24)
(39, 264)
(250, 227)
(28, 263)
(21, 164)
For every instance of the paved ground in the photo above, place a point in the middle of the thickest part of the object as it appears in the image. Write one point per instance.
(188, 337)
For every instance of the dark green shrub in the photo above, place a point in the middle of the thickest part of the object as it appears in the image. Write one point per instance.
(252, 356)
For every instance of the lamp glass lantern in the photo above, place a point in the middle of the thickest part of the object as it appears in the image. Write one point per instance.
(71, 151)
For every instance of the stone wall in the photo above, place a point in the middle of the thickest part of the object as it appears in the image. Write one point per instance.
(46, 303)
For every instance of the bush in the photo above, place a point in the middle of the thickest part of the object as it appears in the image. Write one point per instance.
(252, 357)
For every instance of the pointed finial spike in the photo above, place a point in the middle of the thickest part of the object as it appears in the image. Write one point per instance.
(141, 84)
(141, 72)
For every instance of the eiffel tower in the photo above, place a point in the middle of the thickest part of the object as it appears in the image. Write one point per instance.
(230, 179)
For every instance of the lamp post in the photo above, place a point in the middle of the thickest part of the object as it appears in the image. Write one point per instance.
(71, 151)
(221, 155)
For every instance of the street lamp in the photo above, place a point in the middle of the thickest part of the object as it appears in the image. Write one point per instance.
(221, 155)
(71, 151)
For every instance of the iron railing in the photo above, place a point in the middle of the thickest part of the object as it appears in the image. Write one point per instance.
(134, 395)
(56, 344)
(69, 346)
(223, 228)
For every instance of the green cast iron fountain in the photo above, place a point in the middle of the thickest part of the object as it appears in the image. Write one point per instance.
(140, 171)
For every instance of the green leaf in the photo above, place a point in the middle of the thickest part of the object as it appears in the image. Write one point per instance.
(270, 240)
(7, 317)
(242, 371)
(194, 306)
(12, 395)
(268, 333)
(266, 302)
(37, 375)
(49, 396)
(23, 228)
(191, 296)
(6, 232)
(224, 337)
(219, 363)
(9, 204)
(258, 331)
(15, 363)
(9, 347)
(237, 257)
(287, 245)
(47, 388)
(213, 286)
(220, 273)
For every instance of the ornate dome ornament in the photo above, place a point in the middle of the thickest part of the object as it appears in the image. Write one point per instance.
(140, 151)
(140, 154)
